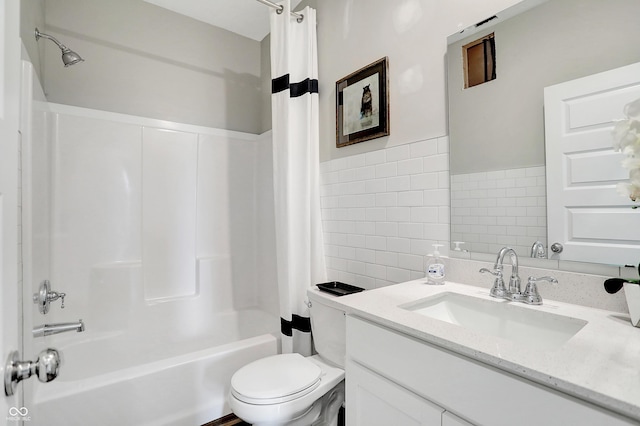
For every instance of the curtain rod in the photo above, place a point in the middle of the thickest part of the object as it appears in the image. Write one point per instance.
(299, 16)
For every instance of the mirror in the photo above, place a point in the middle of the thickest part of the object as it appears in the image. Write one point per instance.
(496, 129)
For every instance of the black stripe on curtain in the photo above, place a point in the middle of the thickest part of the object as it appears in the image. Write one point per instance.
(297, 322)
(296, 89)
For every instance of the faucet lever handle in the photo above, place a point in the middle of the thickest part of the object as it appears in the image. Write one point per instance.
(531, 295)
(495, 272)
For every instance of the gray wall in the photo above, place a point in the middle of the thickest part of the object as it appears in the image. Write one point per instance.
(413, 34)
(501, 122)
(143, 60)
(31, 16)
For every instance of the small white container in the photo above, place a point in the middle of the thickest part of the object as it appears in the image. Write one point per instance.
(632, 293)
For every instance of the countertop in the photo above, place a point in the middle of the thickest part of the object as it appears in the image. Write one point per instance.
(600, 364)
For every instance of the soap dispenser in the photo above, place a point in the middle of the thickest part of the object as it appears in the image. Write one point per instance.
(435, 267)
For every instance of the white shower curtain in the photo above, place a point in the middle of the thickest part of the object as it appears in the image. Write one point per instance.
(296, 175)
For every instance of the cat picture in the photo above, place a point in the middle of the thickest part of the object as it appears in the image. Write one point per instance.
(366, 105)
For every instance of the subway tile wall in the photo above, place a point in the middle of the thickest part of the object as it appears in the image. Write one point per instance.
(490, 210)
(383, 210)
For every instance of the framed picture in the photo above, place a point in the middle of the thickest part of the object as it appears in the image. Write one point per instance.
(362, 104)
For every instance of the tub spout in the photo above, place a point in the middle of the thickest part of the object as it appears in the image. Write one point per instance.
(49, 329)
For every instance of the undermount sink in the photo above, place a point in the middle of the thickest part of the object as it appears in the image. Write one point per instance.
(499, 318)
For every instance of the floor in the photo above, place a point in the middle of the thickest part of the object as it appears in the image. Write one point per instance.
(228, 420)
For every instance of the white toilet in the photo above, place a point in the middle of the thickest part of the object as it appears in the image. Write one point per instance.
(293, 390)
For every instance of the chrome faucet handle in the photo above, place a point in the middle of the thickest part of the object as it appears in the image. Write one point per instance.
(45, 296)
(498, 289)
(531, 296)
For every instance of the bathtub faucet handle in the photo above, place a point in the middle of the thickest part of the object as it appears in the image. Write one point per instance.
(45, 296)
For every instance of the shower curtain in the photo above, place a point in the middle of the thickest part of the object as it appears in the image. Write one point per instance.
(296, 175)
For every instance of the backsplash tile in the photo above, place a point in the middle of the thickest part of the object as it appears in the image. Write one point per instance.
(382, 211)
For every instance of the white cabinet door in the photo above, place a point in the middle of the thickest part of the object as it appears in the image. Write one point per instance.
(372, 400)
(11, 409)
(449, 419)
(585, 212)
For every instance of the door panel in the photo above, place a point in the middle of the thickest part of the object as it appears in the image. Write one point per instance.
(9, 250)
(586, 214)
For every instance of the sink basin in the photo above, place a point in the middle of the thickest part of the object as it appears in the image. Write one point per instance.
(499, 318)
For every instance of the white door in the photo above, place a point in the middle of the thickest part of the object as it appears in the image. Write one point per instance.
(9, 139)
(372, 400)
(592, 221)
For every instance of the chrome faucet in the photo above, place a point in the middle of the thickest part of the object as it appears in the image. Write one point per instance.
(538, 251)
(531, 295)
(49, 329)
(499, 290)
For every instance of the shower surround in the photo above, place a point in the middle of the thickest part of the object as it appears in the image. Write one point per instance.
(156, 232)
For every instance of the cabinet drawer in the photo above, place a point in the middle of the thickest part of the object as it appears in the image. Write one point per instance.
(475, 391)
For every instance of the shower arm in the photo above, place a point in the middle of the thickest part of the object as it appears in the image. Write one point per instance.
(53, 39)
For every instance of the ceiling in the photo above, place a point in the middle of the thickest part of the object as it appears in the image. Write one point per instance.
(248, 18)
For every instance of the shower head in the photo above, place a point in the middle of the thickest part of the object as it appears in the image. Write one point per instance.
(69, 57)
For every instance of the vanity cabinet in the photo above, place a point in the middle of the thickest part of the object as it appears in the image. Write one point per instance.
(393, 378)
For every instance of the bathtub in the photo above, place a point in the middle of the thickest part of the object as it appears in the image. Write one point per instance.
(125, 378)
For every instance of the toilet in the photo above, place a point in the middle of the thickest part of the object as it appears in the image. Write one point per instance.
(293, 390)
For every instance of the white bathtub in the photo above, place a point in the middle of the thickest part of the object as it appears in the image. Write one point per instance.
(127, 379)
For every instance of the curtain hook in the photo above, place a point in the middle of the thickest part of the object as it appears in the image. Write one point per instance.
(280, 10)
(300, 18)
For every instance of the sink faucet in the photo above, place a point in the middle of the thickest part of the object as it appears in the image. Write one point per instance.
(49, 329)
(499, 290)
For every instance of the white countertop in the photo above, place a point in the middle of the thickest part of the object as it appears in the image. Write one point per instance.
(600, 364)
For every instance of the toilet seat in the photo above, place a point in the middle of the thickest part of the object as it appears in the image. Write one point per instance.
(275, 379)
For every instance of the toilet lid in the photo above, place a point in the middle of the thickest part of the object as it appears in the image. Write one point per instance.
(275, 379)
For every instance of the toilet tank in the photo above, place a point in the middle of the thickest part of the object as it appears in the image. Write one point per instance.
(328, 327)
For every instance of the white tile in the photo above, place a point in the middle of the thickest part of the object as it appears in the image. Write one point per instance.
(389, 199)
(375, 157)
(339, 164)
(366, 255)
(398, 183)
(355, 161)
(387, 229)
(386, 258)
(376, 271)
(376, 214)
(399, 245)
(398, 214)
(358, 241)
(347, 253)
(366, 228)
(436, 163)
(376, 243)
(424, 214)
(410, 198)
(409, 167)
(424, 148)
(410, 230)
(426, 181)
(386, 170)
(436, 231)
(398, 275)
(444, 180)
(436, 197)
(515, 173)
(443, 144)
(375, 185)
(363, 173)
(411, 261)
(356, 267)
(398, 153)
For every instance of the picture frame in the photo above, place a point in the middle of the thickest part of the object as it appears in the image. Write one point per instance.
(362, 104)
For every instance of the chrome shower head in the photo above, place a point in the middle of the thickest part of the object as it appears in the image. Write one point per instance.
(69, 57)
